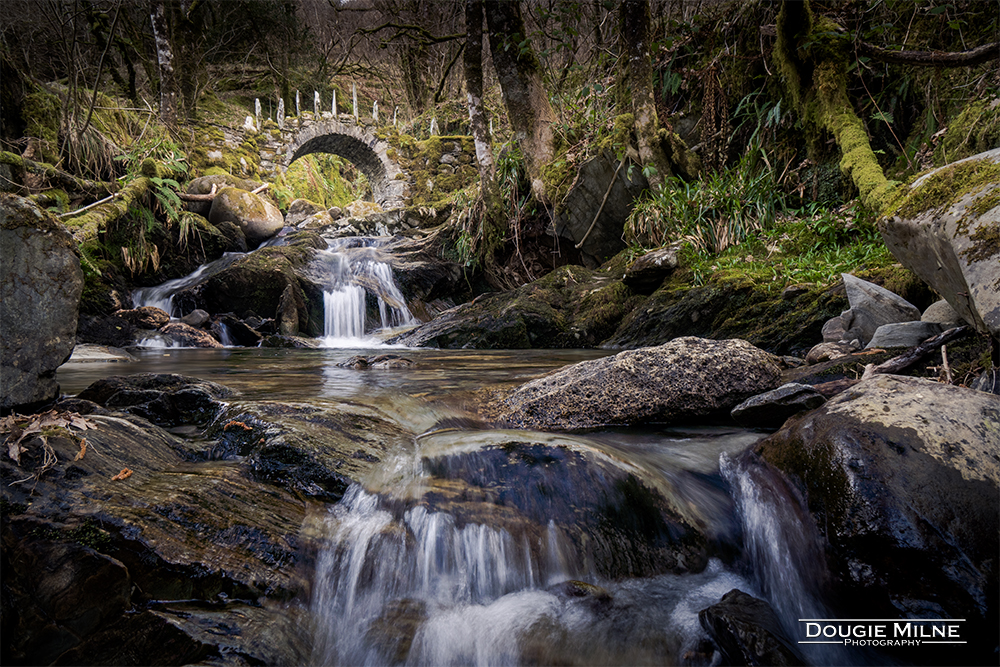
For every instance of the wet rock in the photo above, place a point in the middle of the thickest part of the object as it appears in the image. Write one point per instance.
(595, 596)
(40, 287)
(112, 331)
(238, 330)
(256, 216)
(872, 306)
(835, 329)
(170, 563)
(685, 379)
(903, 334)
(748, 632)
(901, 477)
(86, 352)
(187, 336)
(275, 340)
(376, 361)
(145, 317)
(951, 245)
(316, 451)
(646, 274)
(196, 318)
(772, 408)
(165, 400)
(255, 283)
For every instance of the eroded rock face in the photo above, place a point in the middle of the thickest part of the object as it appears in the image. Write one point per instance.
(682, 380)
(256, 216)
(40, 286)
(954, 244)
(901, 477)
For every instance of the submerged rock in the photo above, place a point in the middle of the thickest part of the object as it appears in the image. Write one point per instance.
(40, 287)
(901, 477)
(685, 379)
(165, 400)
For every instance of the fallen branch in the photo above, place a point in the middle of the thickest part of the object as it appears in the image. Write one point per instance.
(915, 353)
(56, 176)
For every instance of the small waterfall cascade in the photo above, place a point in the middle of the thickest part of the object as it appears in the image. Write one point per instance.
(358, 282)
(783, 548)
(162, 296)
(434, 565)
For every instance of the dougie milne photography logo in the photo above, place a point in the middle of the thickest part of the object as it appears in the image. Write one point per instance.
(881, 632)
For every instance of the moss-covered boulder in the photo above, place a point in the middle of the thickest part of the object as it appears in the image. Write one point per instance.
(256, 216)
(203, 185)
(40, 286)
(947, 231)
(270, 282)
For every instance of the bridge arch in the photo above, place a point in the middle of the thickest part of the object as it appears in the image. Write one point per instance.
(366, 151)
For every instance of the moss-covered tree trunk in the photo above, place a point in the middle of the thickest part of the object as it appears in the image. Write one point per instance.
(637, 85)
(813, 54)
(520, 75)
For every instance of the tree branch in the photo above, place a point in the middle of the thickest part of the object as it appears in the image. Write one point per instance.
(976, 56)
(57, 176)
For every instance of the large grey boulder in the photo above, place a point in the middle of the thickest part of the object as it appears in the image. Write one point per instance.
(951, 240)
(903, 334)
(40, 286)
(871, 307)
(684, 379)
(256, 216)
(901, 478)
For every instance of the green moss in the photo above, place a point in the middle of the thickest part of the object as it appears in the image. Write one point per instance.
(41, 113)
(974, 130)
(985, 244)
(946, 186)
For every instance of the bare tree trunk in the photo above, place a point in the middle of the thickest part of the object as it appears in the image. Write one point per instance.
(518, 70)
(492, 222)
(165, 62)
(638, 84)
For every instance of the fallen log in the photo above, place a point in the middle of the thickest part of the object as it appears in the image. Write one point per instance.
(916, 353)
(84, 225)
(57, 176)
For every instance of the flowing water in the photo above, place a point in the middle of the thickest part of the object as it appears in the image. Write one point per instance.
(477, 546)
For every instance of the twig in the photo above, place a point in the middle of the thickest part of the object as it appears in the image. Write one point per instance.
(944, 364)
(918, 352)
(88, 206)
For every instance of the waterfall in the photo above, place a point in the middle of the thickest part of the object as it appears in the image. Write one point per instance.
(162, 296)
(354, 274)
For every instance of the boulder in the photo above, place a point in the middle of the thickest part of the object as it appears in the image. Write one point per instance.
(901, 478)
(941, 312)
(256, 216)
(163, 399)
(112, 331)
(85, 353)
(685, 379)
(871, 307)
(827, 352)
(299, 210)
(196, 318)
(646, 274)
(575, 223)
(772, 408)
(748, 632)
(187, 336)
(145, 317)
(903, 334)
(203, 186)
(122, 551)
(40, 287)
(945, 231)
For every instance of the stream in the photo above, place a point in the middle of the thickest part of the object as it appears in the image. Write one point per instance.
(470, 545)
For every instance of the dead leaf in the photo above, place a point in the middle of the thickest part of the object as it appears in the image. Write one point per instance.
(124, 474)
(14, 451)
(83, 449)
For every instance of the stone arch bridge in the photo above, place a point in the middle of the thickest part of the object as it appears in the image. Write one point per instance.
(342, 136)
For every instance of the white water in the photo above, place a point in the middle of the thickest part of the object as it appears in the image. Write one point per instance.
(162, 296)
(355, 275)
